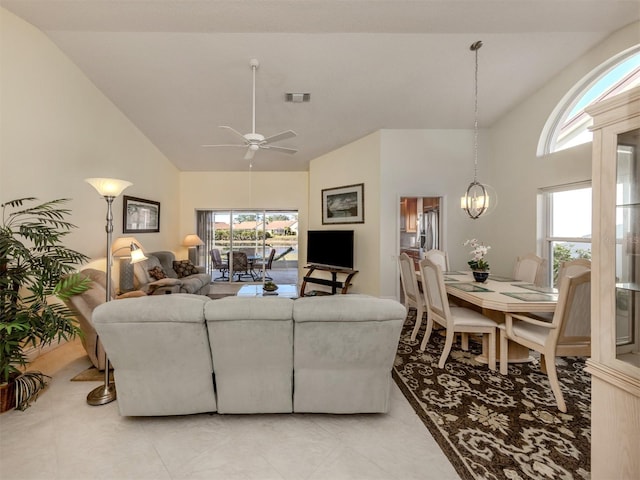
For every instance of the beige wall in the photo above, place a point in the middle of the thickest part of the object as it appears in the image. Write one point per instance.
(358, 162)
(241, 190)
(57, 128)
(518, 173)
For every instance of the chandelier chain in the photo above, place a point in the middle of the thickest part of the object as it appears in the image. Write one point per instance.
(475, 47)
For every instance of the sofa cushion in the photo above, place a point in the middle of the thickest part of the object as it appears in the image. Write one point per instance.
(157, 273)
(194, 283)
(184, 268)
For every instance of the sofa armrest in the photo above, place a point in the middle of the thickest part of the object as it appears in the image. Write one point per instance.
(135, 293)
(164, 285)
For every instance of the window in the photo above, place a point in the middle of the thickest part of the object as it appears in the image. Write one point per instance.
(254, 232)
(569, 124)
(567, 225)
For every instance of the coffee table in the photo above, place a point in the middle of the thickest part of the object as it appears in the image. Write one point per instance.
(284, 290)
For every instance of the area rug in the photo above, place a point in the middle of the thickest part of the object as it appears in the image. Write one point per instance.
(91, 374)
(492, 426)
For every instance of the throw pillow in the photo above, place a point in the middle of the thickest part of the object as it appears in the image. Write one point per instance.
(157, 273)
(184, 268)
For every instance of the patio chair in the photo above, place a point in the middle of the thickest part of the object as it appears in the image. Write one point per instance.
(241, 267)
(263, 267)
(218, 264)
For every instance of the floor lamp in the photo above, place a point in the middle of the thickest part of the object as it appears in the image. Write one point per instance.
(109, 188)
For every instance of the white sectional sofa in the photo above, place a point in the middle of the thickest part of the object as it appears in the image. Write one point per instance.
(182, 354)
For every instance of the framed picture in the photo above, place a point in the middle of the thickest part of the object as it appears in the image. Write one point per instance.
(343, 204)
(140, 215)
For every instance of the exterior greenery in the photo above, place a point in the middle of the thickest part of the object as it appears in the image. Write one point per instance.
(563, 252)
(33, 262)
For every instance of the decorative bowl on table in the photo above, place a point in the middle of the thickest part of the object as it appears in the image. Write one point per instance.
(480, 276)
(269, 287)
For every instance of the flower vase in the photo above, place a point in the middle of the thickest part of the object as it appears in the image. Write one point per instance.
(480, 276)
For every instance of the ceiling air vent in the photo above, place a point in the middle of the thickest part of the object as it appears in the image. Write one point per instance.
(297, 97)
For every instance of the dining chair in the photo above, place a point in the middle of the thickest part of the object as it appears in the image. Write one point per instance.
(438, 257)
(259, 266)
(568, 334)
(572, 268)
(454, 319)
(218, 264)
(566, 268)
(528, 268)
(413, 298)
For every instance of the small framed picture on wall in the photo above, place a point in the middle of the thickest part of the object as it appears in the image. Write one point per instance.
(140, 215)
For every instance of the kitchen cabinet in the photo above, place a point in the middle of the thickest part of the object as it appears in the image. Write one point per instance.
(615, 287)
(409, 215)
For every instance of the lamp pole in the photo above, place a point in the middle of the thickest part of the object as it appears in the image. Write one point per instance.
(109, 189)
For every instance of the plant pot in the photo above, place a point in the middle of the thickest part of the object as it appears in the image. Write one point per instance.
(480, 276)
(7, 396)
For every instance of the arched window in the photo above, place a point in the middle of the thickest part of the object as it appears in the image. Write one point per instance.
(568, 125)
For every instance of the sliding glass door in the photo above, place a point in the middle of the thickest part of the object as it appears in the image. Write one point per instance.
(244, 240)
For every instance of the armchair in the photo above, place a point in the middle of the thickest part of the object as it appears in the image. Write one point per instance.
(83, 305)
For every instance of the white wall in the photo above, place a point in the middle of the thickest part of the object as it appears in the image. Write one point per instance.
(516, 171)
(435, 163)
(355, 163)
(57, 128)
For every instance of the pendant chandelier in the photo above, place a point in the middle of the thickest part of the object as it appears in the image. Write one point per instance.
(477, 198)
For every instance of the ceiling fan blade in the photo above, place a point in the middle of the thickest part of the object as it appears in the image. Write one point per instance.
(280, 136)
(250, 153)
(234, 131)
(279, 149)
(225, 145)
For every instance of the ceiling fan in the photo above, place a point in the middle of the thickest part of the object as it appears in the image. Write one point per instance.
(254, 141)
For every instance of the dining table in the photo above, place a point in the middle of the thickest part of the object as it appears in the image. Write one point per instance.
(497, 296)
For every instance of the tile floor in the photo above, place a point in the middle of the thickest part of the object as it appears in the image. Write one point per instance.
(61, 437)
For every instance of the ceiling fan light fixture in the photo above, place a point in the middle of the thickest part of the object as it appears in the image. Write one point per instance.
(255, 141)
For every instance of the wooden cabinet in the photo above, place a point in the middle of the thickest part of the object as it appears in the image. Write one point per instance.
(615, 296)
(409, 215)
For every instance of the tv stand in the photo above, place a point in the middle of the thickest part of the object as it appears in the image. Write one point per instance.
(334, 283)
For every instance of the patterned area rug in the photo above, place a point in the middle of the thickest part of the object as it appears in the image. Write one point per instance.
(492, 426)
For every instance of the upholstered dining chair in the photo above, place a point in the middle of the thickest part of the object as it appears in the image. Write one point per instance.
(439, 258)
(218, 264)
(259, 266)
(528, 268)
(568, 334)
(572, 268)
(454, 319)
(413, 298)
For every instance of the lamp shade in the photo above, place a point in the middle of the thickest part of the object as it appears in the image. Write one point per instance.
(192, 240)
(137, 255)
(108, 187)
(122, 246)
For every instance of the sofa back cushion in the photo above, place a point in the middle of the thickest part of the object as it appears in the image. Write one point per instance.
(142, 270)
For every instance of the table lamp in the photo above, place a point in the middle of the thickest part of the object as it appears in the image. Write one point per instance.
(193, 241)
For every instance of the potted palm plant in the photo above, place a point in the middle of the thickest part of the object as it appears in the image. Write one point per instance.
(32, 263)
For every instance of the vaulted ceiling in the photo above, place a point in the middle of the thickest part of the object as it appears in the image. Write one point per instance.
(180, 68)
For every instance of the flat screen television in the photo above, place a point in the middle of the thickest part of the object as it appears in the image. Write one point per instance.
(332, 248)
